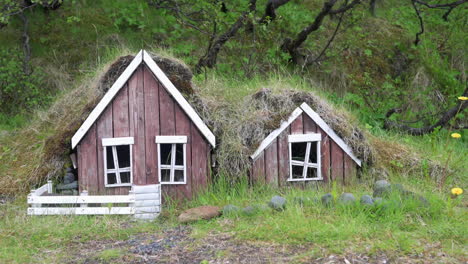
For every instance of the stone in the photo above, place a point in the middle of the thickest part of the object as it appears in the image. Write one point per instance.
(327, 199)
(381, 183)
(199, 213)
(69, 178)
(277, 203)
(69, 186)
(383, 191)
(378, 200)
(347, 198)
(69, 169)
(230, 209)
(249, 210)
(367, 200)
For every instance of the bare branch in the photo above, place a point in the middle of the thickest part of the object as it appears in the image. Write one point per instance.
(209, 59)
(421, 22)
(270, 10)
(443, 121)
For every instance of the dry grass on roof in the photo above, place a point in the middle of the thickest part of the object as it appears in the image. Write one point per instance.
(40, 151)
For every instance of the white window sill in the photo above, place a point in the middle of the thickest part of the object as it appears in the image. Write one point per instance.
(298, 180)
(118, 185)
(173, 183)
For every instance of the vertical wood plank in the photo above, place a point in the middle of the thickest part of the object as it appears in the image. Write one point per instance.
(136, 103)
(283, 157)
(151, 92)
(104, 130)
(271, 163)
(200, 149)
(325, 153)
(297, 126)
(121, 126)
(350, 170)
(337, 169)
(309, 124)
(258, 170)
(79, 156)
(167, 128)
(182, 123)
(89, 161)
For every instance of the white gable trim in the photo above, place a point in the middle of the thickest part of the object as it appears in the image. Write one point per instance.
(275, 133)
(106, 99)
(179, 98)
(142, 56)
(318, 120)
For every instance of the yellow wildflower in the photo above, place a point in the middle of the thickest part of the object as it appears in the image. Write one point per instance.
(456, 135)
(457, 191)
(463, 98)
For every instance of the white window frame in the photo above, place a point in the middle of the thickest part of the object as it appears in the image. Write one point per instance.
(114, 142)
(305, 138)
(172, 167)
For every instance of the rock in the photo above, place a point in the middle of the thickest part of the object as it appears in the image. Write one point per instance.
(378, 200)
(367, 200)
(249, 210)
(347, 198)
(381, 184)
(304, 200)
(199, 213)
(230, 209)
(327, 199)
(382, 191)
(69, 186)
(277, 203)
(68, 178)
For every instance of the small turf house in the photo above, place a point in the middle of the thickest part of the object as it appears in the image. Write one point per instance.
(303, 149)
(143, 131)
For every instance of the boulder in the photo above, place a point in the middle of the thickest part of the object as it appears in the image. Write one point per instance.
(69, 178)
(69, 186)
(277, 203)
(347, 198)
(381, 183)
(199, 213)
(378, 200)
(327, 199)
(367, 200)
(249, 210)
(230, 209)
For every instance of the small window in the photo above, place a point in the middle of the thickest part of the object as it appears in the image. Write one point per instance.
(117, 161)
(304, 153)
(171, 159)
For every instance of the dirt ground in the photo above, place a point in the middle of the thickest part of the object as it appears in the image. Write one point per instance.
(178, 246)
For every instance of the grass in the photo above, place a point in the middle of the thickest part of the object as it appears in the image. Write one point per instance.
(396, 227)
(27, 239)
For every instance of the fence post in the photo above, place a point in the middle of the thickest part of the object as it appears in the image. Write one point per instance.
(84, 193)
(49, 186)
(132, 204)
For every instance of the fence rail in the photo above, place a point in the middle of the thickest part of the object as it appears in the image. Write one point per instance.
(144, 202)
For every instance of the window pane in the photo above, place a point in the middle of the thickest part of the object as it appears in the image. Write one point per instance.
(165, 175)
(178, 176)
(125, 177)
(311, 173)
(297, 172)
(179, 154)
(109, 158)
(298, 151)
(313, 152)
(165, 154)
(111, 179)
(123, 156)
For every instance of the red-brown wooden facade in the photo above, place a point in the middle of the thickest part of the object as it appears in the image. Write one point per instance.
(143, 109)
(272, 164)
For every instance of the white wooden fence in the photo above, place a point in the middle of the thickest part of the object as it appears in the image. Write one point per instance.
(144, 202)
